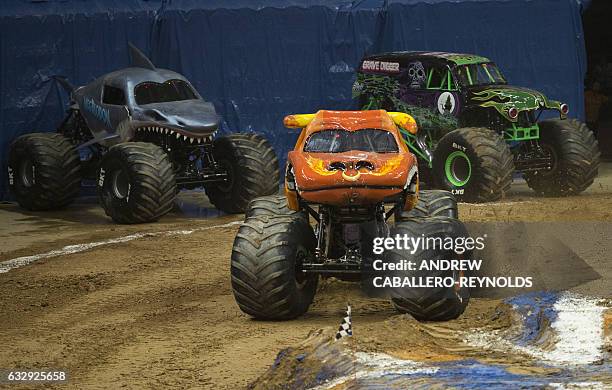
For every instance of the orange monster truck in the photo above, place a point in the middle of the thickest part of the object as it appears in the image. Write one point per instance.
(349, 173)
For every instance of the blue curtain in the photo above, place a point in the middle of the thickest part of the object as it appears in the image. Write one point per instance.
(260, 60)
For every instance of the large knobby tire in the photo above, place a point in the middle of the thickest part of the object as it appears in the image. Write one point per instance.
(271, 205)
(433, 203)
(44, 171)
(575, 154)
(266, 259)
(473, 163)
(136, 183)
(430, 303)
(252, 169)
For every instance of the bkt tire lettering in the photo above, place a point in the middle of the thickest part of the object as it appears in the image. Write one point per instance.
(11, 176)
(457, 146)
(101, 178)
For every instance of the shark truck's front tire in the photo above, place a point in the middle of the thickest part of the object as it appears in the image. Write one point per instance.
(474, 164)
(267, 281)
(252, 171)
(136, 183)
(575, 158)
(44, 171)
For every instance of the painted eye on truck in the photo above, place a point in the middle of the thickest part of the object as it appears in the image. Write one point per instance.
(564, 109)
(364, 164)
(337, 166)
(513, 113)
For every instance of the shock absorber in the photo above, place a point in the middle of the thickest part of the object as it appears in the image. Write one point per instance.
(320, 233)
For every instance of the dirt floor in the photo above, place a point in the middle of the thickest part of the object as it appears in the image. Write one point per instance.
(156, 310)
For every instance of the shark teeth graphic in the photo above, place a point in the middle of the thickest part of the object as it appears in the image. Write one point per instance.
(177, 135)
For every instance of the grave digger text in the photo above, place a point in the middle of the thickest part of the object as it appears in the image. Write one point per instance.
(456, 271)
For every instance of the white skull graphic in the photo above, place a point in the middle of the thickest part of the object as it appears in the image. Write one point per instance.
(416, 72)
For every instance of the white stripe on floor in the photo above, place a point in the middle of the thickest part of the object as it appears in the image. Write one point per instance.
(6, 266)
(492, 204)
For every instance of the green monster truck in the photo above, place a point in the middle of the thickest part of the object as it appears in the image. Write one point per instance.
(475, 130)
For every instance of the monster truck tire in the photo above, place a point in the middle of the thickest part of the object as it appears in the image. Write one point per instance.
(430, 303)
(433, 203)
(136, 183)
(252, 169)
(265, 267)
(44, 171)
(474, 163)
(575, 158)
(271, 205)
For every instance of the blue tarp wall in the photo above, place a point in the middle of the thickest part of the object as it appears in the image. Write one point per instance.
(260, 60)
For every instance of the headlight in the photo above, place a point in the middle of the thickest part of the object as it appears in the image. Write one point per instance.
(513, 113)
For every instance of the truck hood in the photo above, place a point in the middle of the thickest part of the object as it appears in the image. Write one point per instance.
(504, 97)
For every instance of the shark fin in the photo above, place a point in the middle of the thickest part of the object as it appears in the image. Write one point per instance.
(139, 60)
(68, 87)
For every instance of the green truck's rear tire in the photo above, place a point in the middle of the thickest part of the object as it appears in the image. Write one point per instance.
(575, 154)
(474, 164)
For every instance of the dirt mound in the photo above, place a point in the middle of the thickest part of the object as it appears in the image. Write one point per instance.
(319, 359)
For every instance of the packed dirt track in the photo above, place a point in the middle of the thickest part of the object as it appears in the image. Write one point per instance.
(150, 306)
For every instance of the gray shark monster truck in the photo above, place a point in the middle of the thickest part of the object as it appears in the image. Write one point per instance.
(142, 133)
(497, 128)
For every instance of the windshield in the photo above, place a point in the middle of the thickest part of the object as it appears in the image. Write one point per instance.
(170, 91)
(479, 74)
(338, 141)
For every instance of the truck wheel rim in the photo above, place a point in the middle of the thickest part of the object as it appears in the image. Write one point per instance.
(229, 169)
(554, 157)
(26, 173)
(300, 257)
(458, 168)
(120, 184)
